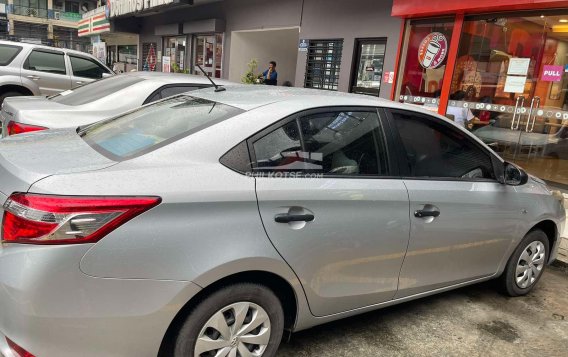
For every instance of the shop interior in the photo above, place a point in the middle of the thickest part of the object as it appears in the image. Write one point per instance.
(509, 84)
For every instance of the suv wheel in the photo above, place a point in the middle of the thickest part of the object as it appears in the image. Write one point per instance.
(238, 320)
(9, 94)
(526, 265)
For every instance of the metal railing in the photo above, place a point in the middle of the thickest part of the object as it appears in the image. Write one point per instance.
(29, 11)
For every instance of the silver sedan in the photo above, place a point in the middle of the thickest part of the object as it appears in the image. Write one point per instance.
(95, 101)
(243, 215)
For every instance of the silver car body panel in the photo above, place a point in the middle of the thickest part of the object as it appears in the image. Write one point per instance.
(357, 262)
(210, 227)
(50, 114)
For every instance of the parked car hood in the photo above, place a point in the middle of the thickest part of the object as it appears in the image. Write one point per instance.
(27, 158)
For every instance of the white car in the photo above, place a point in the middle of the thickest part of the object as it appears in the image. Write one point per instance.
(96, 101)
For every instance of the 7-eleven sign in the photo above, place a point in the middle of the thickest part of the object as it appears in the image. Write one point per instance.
(94, 24)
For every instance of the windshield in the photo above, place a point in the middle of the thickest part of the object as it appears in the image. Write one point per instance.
(95, 90)
(154, 126)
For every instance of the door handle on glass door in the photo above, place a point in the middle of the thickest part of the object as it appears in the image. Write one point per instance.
(533, 108)
(287, 218)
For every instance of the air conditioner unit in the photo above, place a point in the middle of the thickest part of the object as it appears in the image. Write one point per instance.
(56, 15)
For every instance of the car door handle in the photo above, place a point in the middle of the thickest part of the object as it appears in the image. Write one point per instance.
(35, 78)
(287, 218)
(421, 213)
(78, 82)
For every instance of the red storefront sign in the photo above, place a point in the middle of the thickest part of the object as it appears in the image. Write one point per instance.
(421, 8)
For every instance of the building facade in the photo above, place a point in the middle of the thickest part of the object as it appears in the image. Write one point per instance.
(498, 67)
(51, 22)
(335, 45)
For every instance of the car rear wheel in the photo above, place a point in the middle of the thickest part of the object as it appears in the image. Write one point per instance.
(526, 265)
(9, 94)
(238, 320)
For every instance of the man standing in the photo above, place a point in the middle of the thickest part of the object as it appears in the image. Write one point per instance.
(270, 75)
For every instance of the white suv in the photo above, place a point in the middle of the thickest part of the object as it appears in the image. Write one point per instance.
(29, 69)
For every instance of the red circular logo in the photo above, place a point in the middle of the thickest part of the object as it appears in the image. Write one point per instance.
(432, 50)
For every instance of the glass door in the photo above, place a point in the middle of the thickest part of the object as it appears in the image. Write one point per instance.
(176, 49)
(209, 54)
(509, 88)
(368, 70)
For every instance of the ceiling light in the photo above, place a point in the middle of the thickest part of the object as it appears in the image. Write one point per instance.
(563, 20)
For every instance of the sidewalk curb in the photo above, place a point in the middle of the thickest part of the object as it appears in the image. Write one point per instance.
(559, 264)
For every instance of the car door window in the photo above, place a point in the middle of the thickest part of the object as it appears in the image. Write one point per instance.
(87, 68)
(46, 61)
(434, 150)
(8, 53)
(331, 143)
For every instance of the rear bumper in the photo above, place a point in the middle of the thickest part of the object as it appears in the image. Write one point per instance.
(51, 309)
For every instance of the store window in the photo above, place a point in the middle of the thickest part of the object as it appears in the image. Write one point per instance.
(176, 49)
(423, 61)
(323, 64)
(209, 54)
(128, 54)
(510, 88)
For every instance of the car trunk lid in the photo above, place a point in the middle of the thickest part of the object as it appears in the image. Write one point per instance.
(27, 158)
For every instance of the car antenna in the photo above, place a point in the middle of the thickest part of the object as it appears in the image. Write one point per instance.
(217, 87)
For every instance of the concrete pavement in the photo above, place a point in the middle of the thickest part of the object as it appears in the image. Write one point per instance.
(472, 321)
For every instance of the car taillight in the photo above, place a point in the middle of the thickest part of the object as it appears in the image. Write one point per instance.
(47, 219)
(17, 350)
(14, 128)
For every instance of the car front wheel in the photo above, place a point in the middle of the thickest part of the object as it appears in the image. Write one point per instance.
(238, 320)
(526, 265)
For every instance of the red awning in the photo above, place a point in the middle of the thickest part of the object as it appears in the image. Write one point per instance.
(421, 8)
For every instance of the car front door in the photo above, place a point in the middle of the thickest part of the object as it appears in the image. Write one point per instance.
(331, 207)
(47, 69)
(462, 219)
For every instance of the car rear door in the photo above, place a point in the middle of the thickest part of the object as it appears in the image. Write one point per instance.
(462, 219)
(331, 205)
(47, 68)
(85, 70)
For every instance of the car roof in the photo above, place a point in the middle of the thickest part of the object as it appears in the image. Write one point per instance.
(248, 97)
(176, 78)
(33, 45)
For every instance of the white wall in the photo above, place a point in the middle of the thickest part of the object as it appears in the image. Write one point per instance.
(280, 46)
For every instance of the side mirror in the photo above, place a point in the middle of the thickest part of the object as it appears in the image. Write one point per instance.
(514, 175)
(106, 75)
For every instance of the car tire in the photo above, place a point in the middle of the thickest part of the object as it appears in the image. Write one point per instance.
(526, 265)
(9, 94)
(222, 305)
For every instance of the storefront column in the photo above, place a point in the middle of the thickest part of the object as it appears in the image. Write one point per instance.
(451, 64)
(398, 53)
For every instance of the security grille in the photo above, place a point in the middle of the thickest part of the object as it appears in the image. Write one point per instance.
(323, 64)
(65, 37)
(28, 32)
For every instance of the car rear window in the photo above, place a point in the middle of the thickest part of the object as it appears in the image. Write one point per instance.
(155, 125)
(95, 90)
(8, 53)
